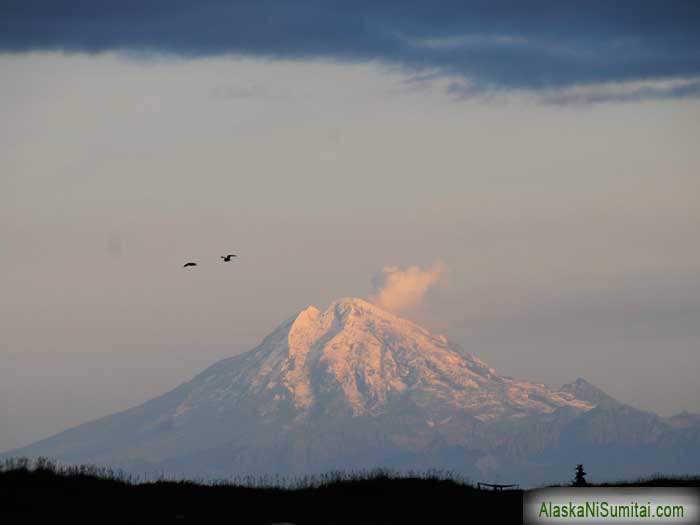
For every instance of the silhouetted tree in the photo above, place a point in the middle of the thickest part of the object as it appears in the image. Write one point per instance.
(580, 478)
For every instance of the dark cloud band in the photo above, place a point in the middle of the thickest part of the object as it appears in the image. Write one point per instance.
(535, 44)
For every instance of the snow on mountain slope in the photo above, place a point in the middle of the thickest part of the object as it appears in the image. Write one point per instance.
(365, 358)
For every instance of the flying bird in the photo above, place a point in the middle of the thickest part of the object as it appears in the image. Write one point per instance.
(189, 264)
(227, 258)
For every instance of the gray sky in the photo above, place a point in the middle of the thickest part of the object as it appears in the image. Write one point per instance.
(567, 231)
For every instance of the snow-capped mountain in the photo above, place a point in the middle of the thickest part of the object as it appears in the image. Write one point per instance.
(358, 359)
(357, 387)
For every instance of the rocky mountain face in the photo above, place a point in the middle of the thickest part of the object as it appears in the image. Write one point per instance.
(357, 387)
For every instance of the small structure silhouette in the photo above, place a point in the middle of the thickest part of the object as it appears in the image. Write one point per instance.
(580, 478)
(495, 486)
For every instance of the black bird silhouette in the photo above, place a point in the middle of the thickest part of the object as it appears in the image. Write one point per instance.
(189, 264)
(227, 258)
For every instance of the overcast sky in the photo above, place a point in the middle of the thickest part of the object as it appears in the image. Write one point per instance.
(543, 180)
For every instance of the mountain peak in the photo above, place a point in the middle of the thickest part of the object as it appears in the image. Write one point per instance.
(358, 357)
(349, 302)
(346, 306)
(586, 391)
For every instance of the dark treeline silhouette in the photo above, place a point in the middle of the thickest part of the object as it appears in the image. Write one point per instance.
(580, 477)
(378, 496)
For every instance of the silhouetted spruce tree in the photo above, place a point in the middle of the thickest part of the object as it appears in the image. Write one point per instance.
(580, 478)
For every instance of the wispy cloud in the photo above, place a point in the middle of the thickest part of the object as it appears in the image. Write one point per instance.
(468, 41)
(581, 94)
(623, 91)
(398, 290)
